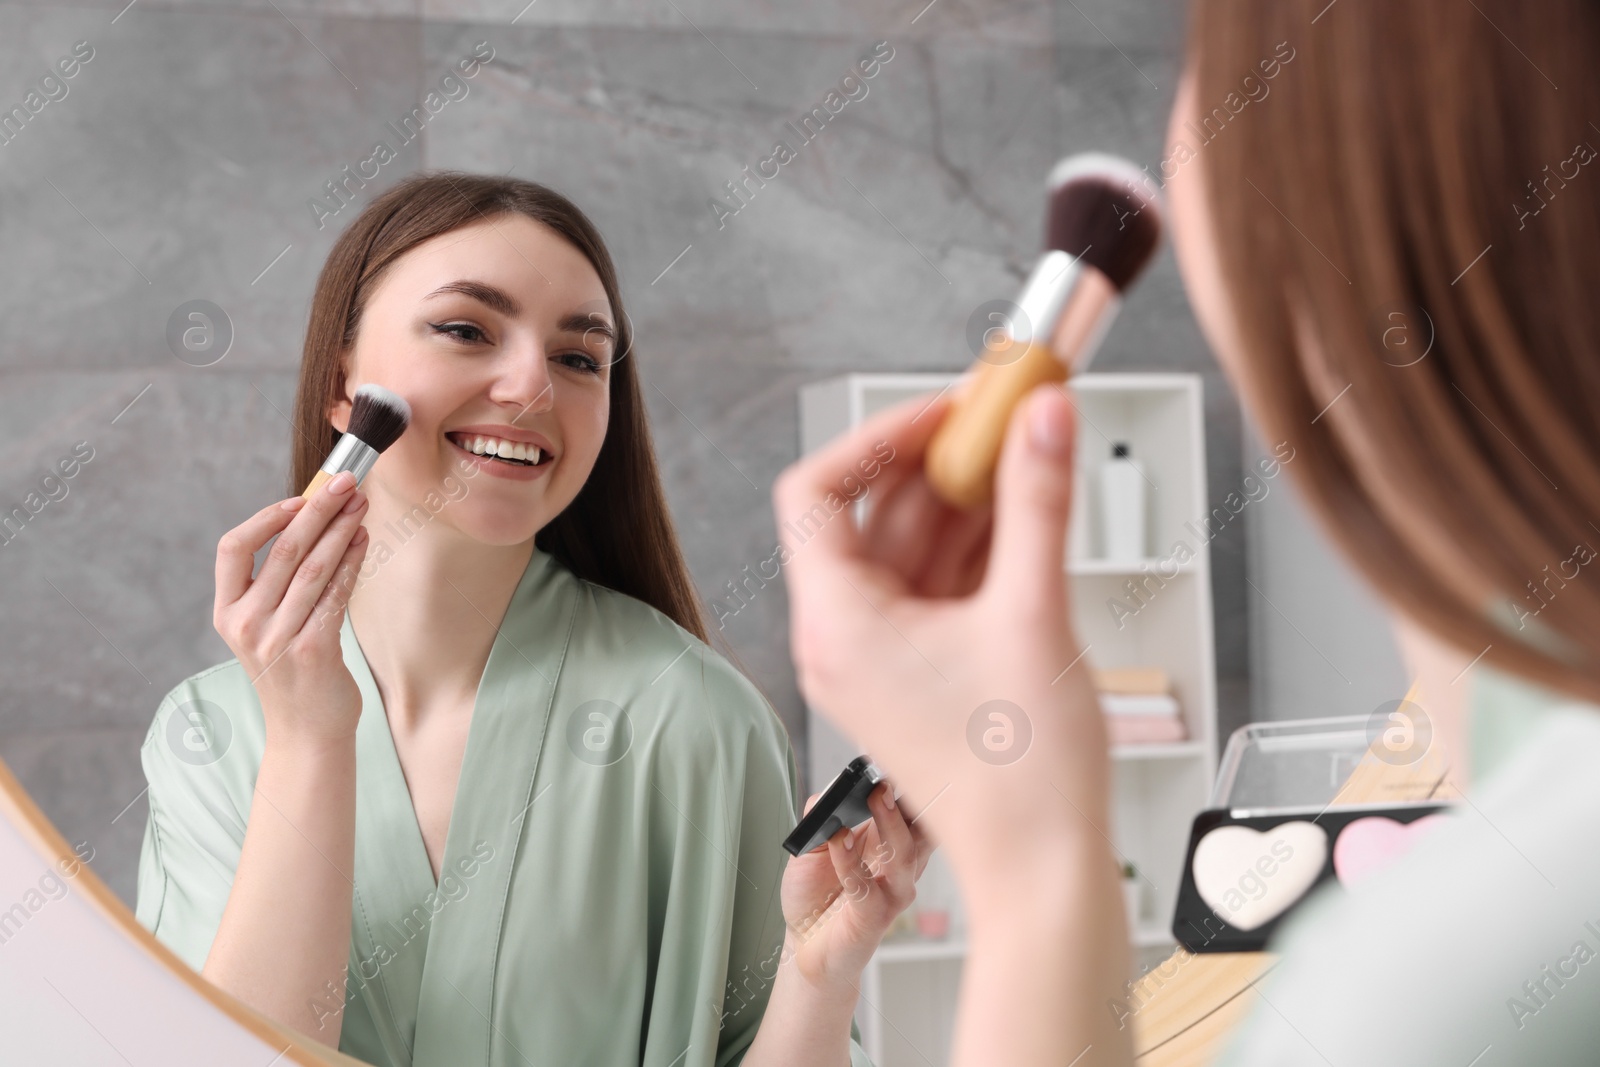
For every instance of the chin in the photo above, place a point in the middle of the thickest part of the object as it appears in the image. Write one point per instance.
(501, 532)
(502, 524)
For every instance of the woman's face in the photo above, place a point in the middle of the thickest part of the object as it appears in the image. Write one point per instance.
(497, 330)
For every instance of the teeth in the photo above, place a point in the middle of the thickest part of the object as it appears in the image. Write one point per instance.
(494, 446)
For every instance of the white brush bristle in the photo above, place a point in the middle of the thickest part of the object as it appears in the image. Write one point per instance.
(386, 397)
(1096, 164)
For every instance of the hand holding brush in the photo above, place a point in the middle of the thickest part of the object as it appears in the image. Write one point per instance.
(277, 623)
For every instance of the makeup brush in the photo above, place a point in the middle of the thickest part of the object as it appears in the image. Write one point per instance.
(1103, 226)
(377, 419)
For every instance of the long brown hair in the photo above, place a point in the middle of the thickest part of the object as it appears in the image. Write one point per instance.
(1419, 175)
(617, 531)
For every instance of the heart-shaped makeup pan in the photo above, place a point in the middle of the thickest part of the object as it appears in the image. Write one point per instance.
(1250, 877)
(1368, 845)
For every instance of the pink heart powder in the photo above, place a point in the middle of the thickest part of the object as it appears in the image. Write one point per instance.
(1368, 845)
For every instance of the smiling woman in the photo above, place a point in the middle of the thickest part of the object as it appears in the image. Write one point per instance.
(527, 679)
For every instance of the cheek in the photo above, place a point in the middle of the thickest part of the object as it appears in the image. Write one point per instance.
(1197, 263)
(584, 423)
(600, 416)
(1194, 248)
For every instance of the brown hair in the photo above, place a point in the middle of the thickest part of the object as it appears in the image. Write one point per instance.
(617, 531)
(1414, 167)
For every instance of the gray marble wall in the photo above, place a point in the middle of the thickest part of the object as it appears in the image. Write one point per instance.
(178, 166)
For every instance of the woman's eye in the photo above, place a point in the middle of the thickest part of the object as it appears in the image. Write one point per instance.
(581, 361)
(461, 330)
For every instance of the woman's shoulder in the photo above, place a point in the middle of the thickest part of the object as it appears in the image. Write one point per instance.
(1485, 933)
(661, 664)
(211, 720)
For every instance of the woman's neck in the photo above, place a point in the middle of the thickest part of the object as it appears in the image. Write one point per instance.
(427, 610)
(1446, 688)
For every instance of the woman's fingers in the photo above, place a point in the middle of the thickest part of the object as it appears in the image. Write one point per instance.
(902, 527)
(890, 445)
(1033, 496)
(236, 551)
(977, 565)
(897, 858)
(315, 574)
(854, 877)
(924, 846)
(329, 609)
(963, 541)
(295, 543)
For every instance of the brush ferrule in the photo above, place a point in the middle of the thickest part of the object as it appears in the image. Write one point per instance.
(1086, 316)
(1044, 294)
(351, 454)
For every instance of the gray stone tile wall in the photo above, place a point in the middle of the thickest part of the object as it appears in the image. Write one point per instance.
(179, 164)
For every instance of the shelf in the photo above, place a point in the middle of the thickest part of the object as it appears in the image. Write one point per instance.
(1091, 567)
(1147, 935)
(913, 951)
(1160, 750)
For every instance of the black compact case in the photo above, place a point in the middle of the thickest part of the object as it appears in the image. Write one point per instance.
(843, 803)
(1198, 928)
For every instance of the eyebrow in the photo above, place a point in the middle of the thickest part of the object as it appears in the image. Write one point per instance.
(583, 323)
(483, 293)
(502, 301)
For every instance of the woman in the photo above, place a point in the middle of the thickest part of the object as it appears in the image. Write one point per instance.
(509, 807)
(1414, 160)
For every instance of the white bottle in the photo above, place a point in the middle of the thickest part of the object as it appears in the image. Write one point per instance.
(1122, 505)
(1081, 523)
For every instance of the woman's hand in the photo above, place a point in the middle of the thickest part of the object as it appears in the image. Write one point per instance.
(838, 901)
(941, 641)
(284, 624)
(946, 651)
(289, 962)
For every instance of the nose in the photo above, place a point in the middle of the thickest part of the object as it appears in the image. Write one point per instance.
(522, 381)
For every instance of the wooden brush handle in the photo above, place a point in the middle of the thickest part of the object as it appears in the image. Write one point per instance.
(966, 446)
(317, 481)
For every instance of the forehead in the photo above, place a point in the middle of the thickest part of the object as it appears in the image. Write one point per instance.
(538, 267)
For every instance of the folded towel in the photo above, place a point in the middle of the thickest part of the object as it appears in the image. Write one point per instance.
(1145, 729)
(1115, 704)
(1148, 680)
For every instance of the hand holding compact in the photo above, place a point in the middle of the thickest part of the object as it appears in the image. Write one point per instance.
(838, 901)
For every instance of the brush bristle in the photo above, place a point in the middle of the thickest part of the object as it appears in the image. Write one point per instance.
(1103, 209)
(378, 417)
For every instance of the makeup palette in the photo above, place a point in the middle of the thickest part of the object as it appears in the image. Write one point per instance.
(1281, 823)
(1245, 872)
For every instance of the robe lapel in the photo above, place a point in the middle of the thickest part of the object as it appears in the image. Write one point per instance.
(493, 803)
(389, 928)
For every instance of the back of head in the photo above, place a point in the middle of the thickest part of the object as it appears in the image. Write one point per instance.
(1410, 211)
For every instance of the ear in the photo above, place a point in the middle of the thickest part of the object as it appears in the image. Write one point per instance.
(338, 412)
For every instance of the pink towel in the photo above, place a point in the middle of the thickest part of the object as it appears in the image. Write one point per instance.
(1144, 729)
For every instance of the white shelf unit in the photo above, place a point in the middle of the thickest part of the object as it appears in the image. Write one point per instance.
(908, 993)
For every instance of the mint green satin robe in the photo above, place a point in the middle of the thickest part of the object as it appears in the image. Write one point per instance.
(610, 882)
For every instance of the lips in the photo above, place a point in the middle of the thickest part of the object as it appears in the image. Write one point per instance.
(500, 450)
